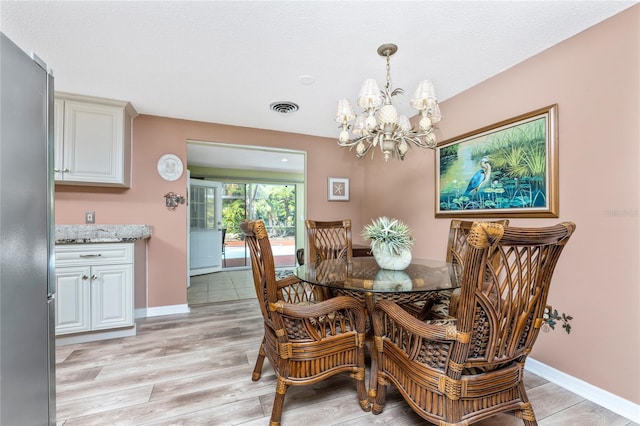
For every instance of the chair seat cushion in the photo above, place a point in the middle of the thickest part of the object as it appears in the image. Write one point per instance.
(441, 305)
(332, 323)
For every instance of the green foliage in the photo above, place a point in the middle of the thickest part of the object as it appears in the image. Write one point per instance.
(390, 233)
(554, 317)
(481, 150)
(449, 150)
(275, 204)
(518, 152)
(535, 161)
(233, 212)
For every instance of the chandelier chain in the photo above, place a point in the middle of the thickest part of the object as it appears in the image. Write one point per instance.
(388, 91)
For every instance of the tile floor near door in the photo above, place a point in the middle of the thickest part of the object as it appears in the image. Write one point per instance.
(221, 287)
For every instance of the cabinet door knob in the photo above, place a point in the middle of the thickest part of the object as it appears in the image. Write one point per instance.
(57, 170)
(84, 277)
(94, 277)
(65, 170)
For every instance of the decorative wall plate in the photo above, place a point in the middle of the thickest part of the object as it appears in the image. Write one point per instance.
(170, 167)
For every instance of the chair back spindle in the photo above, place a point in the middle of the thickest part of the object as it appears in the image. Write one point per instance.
(329, 240)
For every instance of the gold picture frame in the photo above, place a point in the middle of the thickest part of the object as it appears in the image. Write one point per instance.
(338, 189)
(507, 169)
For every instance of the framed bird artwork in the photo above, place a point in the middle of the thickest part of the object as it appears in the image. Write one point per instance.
(507, 169)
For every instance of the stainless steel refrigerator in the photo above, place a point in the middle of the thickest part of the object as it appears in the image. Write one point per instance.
(27, 285)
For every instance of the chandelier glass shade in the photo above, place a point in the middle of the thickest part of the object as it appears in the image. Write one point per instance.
(380, 124)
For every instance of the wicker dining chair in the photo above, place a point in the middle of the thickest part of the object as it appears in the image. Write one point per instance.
(442, 303)
(446, 302)
(306, 339)
(329, 239)
(461, 370)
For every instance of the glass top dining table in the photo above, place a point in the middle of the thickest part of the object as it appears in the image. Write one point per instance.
(362, 279)
(363, 275)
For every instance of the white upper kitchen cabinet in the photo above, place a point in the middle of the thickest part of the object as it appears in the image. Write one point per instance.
(92, 140)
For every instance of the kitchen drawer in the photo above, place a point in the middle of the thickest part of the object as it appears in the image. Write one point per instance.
(94, 254)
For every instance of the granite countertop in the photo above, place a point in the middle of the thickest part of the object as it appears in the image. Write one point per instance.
(75, 234)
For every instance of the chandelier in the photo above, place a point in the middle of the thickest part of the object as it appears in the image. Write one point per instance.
(380, 125)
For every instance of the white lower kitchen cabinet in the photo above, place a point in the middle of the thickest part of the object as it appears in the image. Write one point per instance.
(73, 299)
(111, 296)
(94, 291)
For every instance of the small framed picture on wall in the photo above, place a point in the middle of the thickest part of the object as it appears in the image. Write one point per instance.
(338, 189)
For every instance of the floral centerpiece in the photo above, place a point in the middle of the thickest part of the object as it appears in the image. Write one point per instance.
(391, 242)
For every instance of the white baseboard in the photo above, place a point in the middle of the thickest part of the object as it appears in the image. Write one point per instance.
(594, 394)
(72, 339)
(162, 310)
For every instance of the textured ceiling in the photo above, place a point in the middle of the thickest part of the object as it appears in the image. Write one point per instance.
(227, 61)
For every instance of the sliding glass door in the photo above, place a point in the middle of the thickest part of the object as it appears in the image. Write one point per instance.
(275, 204)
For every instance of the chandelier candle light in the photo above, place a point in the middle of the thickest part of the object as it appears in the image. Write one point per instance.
(382, 125)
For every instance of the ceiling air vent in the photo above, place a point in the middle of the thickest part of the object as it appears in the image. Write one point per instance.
(284, 107)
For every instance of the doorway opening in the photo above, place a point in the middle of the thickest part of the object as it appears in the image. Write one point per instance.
(255, 183)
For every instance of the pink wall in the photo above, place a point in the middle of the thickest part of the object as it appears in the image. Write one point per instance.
(143, 203)
(594, 79)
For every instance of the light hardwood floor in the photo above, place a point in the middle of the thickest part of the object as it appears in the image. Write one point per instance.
(195, 369)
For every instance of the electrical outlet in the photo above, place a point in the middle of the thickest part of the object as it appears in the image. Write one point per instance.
(89, 217)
